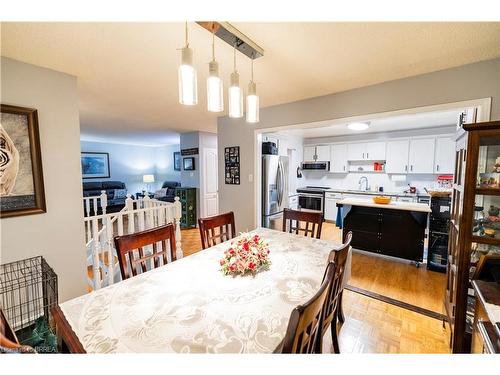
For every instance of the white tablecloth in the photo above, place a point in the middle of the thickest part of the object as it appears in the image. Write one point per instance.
(190, 306)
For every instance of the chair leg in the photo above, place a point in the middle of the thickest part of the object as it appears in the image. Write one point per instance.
(340, 310)
(335, 339)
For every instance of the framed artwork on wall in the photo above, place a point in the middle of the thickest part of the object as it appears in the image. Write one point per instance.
(232, 165)
(188, 164)
(177, 161)
(21, 175)
(95, 165)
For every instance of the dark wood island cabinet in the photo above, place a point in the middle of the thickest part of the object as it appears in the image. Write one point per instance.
(396, 230)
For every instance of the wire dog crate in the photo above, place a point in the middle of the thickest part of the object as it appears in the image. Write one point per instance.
(28, 291)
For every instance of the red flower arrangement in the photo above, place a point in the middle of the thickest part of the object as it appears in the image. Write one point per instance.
(248, 254)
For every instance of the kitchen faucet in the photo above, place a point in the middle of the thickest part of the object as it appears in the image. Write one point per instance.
(360, 182)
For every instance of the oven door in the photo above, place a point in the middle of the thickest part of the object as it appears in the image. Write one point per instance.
(311, 202)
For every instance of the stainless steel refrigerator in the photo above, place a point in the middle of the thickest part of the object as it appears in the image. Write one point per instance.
(274, 190)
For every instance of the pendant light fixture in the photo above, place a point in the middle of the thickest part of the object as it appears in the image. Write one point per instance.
(188, 85)
(252, 101)
(235, 93)
(215, 97)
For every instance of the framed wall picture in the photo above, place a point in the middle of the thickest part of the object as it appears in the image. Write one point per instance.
(21, 175)
(188, 164)
(95, 165)
(232, 165)
(177, 161)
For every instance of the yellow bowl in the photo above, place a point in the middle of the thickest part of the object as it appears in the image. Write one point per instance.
(380, 199)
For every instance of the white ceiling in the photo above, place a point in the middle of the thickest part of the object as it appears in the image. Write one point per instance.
(127, 72)
(381, 125)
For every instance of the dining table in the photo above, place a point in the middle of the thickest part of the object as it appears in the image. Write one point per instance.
(190, 306)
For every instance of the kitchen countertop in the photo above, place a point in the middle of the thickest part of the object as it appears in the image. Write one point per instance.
(406, 206)
(368, 192)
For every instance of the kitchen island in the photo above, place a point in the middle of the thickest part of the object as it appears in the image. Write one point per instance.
(396, 229)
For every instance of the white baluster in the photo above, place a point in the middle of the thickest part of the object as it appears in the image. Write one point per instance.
(148, 211)
(129, 203)
(109, 245)
(87, 207)
(104, 201)
(120, 223)
(96, 247)
(177, 216)
(94, 206)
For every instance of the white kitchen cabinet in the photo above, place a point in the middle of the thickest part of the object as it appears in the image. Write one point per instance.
(421, 155)
(375, 151)
(356, 151)
(444, 162)
(397, 156)
(366, 151)
(338, 159)
(293, 202)
(331, 209)
(323, 153)
(309, 153)
(317, 153)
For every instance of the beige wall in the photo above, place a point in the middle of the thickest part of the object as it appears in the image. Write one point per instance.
(474, 81)
(58, 235)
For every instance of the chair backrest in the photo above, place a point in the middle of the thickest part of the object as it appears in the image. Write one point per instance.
(315, 219)
(128, 245)
(216, 229)
(339, 257)
(304, 325)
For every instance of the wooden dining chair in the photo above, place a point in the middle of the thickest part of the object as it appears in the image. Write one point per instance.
(332, 309)
(304, 325)
(216, 229)
(315, 219)
(130, 245)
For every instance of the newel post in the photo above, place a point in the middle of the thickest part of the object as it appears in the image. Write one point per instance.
(104, 201)
(177, 219)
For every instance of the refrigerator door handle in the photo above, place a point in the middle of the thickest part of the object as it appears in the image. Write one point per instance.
(280, 186)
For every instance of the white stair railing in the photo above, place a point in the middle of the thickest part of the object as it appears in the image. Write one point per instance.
(137, 215)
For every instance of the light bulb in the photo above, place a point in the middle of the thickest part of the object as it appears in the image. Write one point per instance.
(188, 85)
(252, 103)
(215, 98)
(235, 97)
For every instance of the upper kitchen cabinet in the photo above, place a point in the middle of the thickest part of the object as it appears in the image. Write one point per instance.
(366, 151)
(323, 153)
(317, 153)
(397, 156)
(421, 155)
(338, 159)
(356, 151)
(309, 153)
(445, 155)
(375, 151)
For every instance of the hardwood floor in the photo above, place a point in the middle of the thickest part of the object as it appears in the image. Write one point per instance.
(373, 326)
(393, 278)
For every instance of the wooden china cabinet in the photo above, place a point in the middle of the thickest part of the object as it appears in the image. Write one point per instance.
(474, 224)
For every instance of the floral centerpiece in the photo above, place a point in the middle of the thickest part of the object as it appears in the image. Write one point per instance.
(248, 254)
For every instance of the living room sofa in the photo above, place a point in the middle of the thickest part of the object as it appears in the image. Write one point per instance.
(170, 195)
(94, 188)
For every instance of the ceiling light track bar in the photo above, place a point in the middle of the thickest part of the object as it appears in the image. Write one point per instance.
(235, 38)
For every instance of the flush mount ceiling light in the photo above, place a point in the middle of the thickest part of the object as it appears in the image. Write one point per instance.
(188, 85)
(358, 126)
